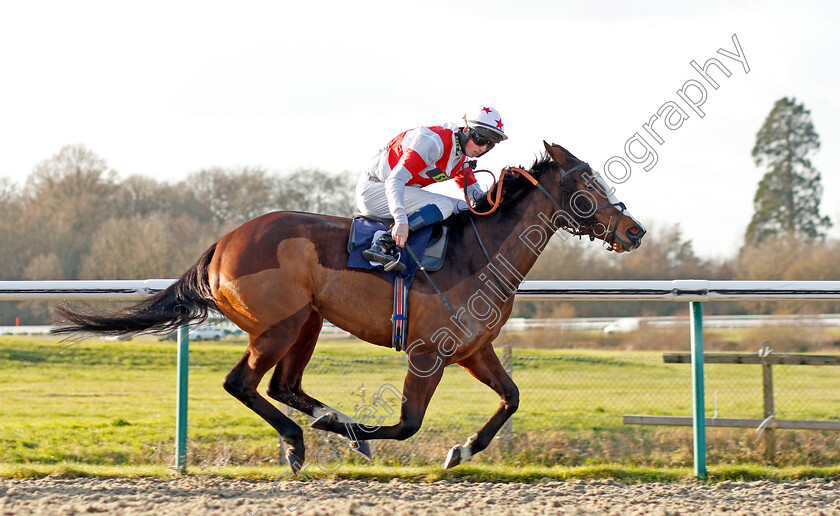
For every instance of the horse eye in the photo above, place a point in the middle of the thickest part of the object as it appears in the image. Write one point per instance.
(590, 186)
(583, 205)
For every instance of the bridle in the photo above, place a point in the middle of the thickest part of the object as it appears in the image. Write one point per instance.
(580, 230)
(590, 229)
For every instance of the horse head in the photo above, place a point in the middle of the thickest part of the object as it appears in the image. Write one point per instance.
(587, 204)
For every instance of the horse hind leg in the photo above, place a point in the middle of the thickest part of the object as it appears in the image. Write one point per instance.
(285, 384)
(264, 352)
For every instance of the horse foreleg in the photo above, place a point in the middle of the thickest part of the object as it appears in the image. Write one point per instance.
(420, 383)
(294, 396)
(486, 367)
(242, 382)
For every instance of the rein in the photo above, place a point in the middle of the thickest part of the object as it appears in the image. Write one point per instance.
(495, 203)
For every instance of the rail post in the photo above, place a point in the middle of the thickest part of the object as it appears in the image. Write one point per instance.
(769, 406)
(181, 407)
(697, 388)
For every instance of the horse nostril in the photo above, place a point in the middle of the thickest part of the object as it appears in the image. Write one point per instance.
(635, 233)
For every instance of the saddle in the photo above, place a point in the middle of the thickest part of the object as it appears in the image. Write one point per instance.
(363, 231)
(432, 257)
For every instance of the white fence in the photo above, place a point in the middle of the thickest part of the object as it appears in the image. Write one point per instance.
(608, 325)
(693, 291)
(673, 290)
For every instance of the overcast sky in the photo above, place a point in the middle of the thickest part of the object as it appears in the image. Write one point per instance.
(167, 88)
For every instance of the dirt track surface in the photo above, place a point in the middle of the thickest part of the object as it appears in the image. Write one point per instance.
(201, 495)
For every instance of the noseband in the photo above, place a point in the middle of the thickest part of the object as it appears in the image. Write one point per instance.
(590, 228)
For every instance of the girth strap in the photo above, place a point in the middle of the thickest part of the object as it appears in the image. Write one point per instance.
(399, 321)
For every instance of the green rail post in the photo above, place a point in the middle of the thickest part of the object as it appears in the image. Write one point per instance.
(699, 404)
(181, 408)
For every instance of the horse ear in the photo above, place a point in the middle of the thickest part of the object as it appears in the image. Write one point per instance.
(556, 152)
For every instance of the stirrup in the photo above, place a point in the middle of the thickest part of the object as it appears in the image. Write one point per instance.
(388, 261)
(395, 263)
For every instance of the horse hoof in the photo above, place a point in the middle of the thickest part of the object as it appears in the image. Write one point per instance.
(328, 421)
(453, 458)
(325, 422)
(362, 448)
(294, 461)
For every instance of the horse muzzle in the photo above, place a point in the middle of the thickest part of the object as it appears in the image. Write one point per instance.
(632, 239)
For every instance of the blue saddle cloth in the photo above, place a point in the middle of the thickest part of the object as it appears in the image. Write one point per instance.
(364, 231)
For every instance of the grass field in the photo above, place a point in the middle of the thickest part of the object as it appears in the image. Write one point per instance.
(99, 404)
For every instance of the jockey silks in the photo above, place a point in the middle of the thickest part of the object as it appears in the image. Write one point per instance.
(417, 158)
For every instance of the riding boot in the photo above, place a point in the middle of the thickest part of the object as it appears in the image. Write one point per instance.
(384, 251)
(425, 216)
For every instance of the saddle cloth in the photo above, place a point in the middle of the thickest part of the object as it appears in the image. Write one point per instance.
(428, 243)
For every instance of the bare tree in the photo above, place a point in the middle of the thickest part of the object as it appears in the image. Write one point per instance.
(316, 191)
(74, 174)
(12, 229)
(140, 195)
(665, 255)
(232, 195)
(789, 257)
(8, 193)
(66, 198)
(133, 247)
(42, 267)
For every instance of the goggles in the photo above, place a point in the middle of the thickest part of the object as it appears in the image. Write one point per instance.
(481, 137)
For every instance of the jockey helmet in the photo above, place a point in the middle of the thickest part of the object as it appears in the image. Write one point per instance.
(486, 122)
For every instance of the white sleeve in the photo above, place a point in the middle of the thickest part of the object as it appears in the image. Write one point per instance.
(395, 193)
(421, 147)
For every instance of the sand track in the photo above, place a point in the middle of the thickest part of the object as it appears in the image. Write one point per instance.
(203, 495)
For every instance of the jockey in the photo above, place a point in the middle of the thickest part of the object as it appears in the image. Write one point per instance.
(392, 185)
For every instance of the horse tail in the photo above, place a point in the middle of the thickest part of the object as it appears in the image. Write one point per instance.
(188, 299)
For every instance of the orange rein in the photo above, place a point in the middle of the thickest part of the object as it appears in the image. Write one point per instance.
(495, 204)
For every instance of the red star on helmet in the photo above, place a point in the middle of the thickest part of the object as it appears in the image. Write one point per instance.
(487, 110)
(499, 124)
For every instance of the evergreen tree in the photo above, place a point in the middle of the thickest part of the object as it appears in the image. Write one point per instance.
(788, 197)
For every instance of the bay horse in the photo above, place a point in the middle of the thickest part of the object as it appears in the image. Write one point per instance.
(279, 276)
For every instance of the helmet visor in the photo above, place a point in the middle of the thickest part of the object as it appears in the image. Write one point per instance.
(485, 134)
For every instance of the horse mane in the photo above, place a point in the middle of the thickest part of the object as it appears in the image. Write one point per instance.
(514, 188)
(514, 185)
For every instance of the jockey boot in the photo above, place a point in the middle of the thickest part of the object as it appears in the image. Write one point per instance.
(384, 251)
(425, 216)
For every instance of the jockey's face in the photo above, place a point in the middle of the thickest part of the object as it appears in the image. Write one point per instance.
(472, 150)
